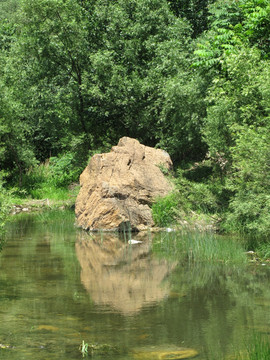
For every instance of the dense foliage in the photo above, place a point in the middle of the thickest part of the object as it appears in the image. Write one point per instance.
(4, 207)
(192, 77)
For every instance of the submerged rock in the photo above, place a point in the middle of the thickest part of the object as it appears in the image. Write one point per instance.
(165, 354)
(48, 328)
(118, 188)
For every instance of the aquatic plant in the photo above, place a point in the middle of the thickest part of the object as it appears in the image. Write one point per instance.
(259, 348)
(2, 241)
(84, 348)
(214, 249)
(97, 349)
(54, 217)
(199, 247)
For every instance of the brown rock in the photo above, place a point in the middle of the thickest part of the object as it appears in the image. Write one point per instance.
(117, 188)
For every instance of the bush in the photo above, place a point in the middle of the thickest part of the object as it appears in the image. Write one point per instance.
(263, 251)
(195, 196)
(249, 209)
(187, 197)
(163, 210)
(65, 169)
(4, 205)
(51, 179)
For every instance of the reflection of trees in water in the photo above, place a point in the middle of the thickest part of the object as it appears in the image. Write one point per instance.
(222, 301)
(125, 277)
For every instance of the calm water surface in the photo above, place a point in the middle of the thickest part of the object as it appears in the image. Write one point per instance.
(60, 286)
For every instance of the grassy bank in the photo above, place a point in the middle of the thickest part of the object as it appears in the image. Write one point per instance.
(50, 185)
(204, 202)
(201, 200)
(257, 348)
(200, 247)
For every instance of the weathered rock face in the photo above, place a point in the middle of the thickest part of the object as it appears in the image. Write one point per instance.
(117, 188)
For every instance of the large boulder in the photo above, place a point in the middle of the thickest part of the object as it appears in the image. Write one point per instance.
(118, 188)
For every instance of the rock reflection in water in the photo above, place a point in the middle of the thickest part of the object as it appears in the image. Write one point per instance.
(123, 276)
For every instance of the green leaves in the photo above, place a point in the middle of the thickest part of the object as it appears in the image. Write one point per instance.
(164, 210)
(195, 11)
(4, 206)
(234, 53)
(233, 25)
(238, 97)
(130, 70)
(250, 180)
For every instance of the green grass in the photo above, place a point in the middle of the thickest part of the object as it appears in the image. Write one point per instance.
(263, 251)
(46, 195)
(259, 348)
(97, 349)
(50, 180)
(48, 191)
(163, 210)
(200, 247)
(188, 198)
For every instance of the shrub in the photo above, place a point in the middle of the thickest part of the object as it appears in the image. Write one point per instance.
(187, 197)
(249, 209)
(4, 205)
(195, 196)
(163, 210)
(263, 250)
(65, 169)
(51, 179)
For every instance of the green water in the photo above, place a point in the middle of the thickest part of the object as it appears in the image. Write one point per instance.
(59, 286)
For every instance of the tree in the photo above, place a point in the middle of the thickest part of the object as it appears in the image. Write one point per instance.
(8, 8)
(249, 210)
(142, 80)
(195, 11)
(232, 54)
(82, 78)
(15, 150)
(235, 98)
(234, 24)
(45, 70)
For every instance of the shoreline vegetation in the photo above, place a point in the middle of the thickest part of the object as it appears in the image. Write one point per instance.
(169, 218)
(191, 207)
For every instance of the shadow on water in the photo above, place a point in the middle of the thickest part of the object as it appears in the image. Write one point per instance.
(60, 286)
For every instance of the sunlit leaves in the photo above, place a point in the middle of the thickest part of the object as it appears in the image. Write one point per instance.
(233, 25)
(250, 179)
(237, 97)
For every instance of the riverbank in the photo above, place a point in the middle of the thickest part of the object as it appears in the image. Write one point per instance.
(191, 221)
(194, 223)
(62, 198)
(185, 220)
(32, 205)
